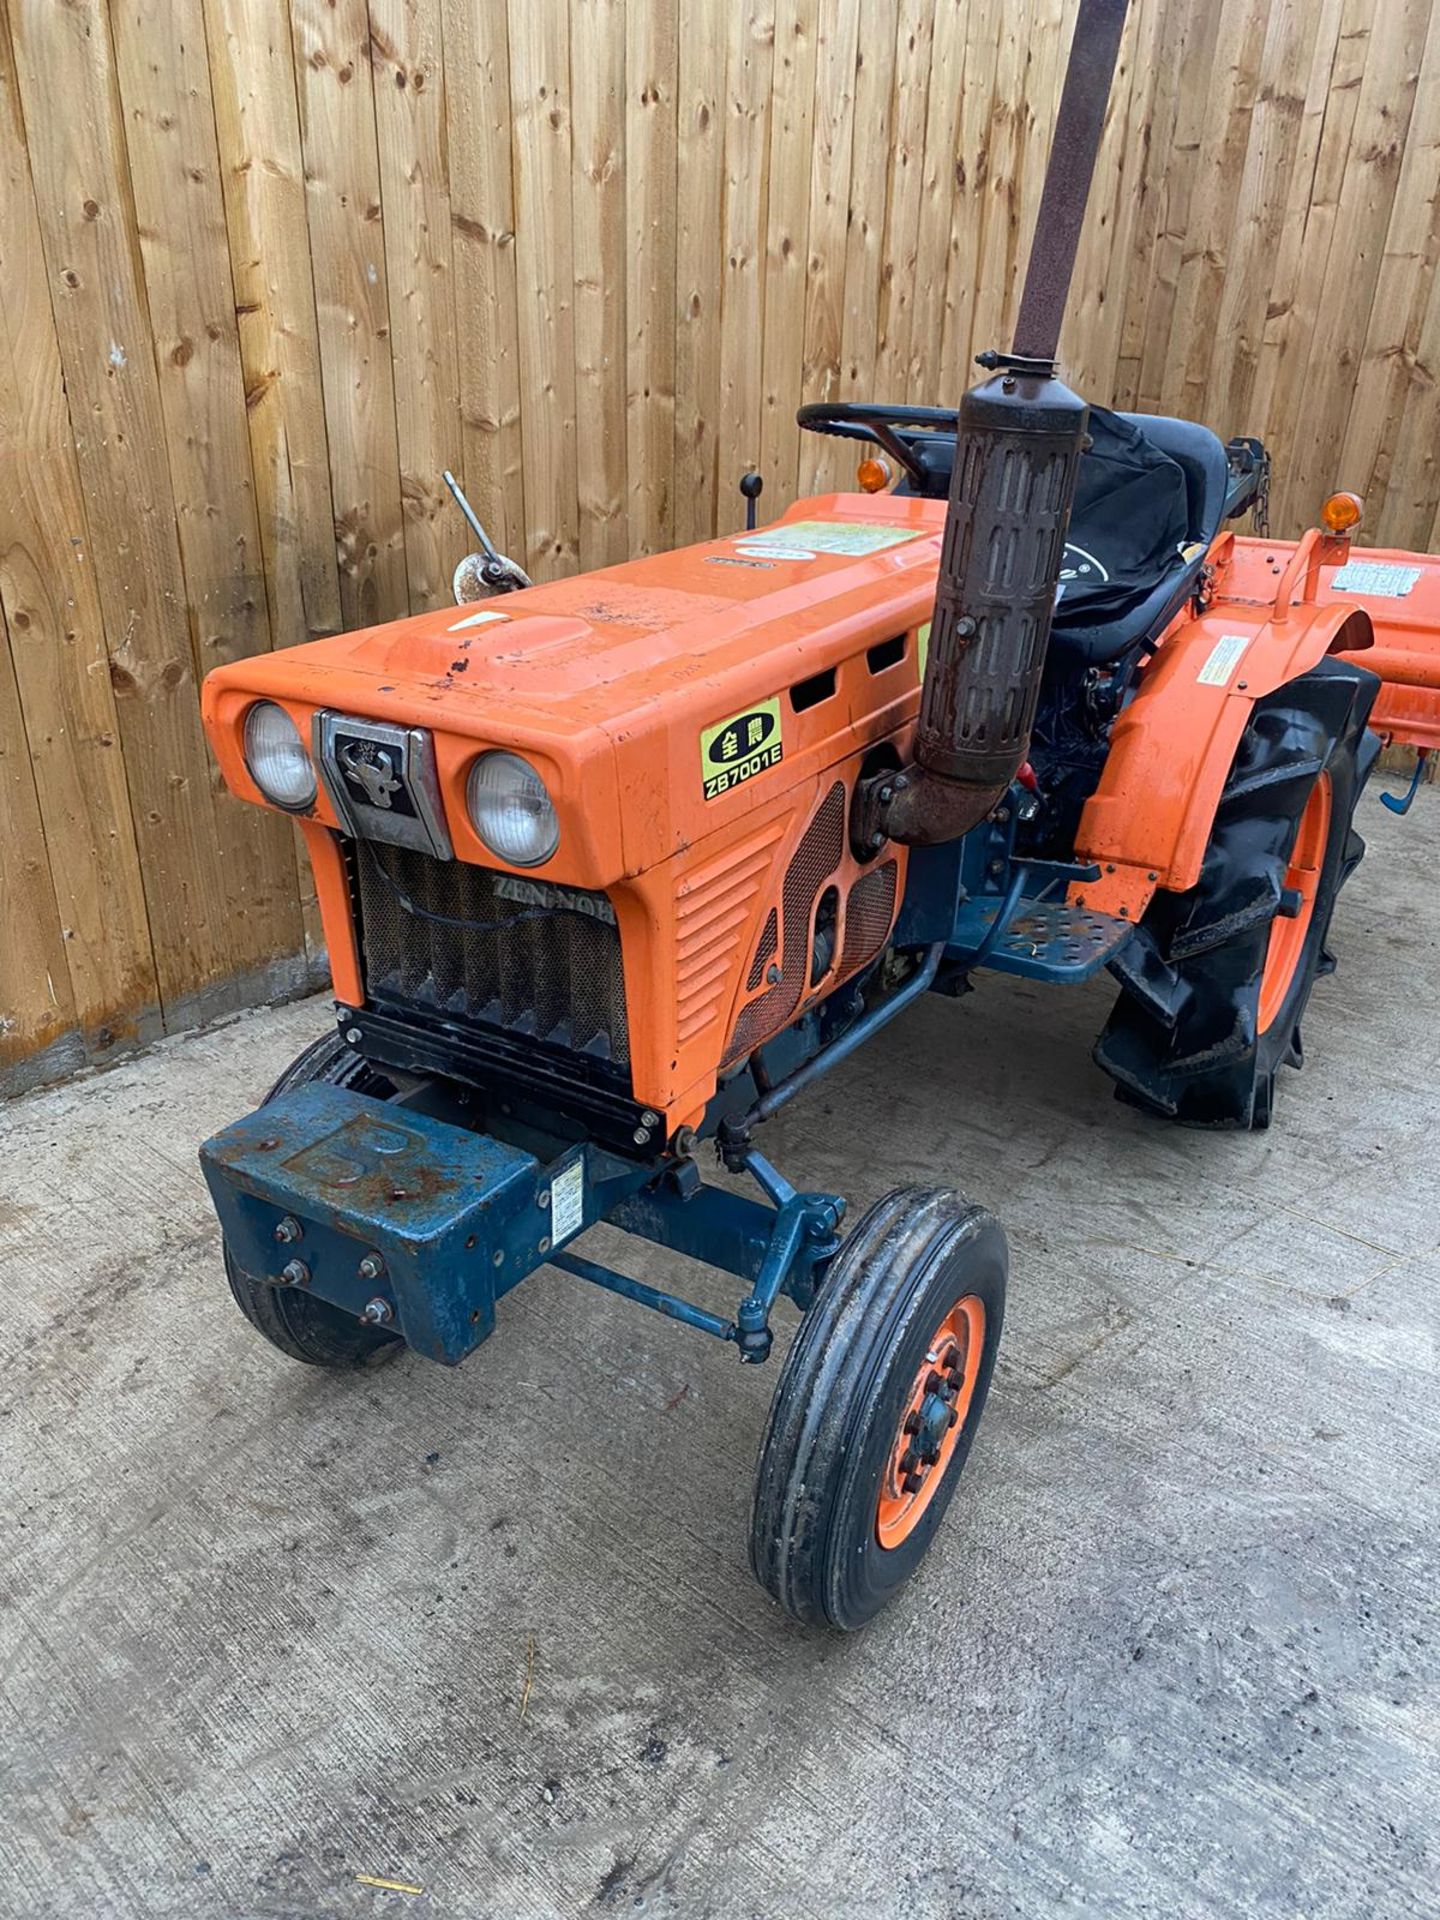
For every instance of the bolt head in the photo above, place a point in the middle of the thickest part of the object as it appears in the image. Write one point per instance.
(353, 1036)
(641, 1136)
(497, 1259)
(295, 1273)
(542, 1199)
(287, 1230)
(378, 1312)
(371, 1267)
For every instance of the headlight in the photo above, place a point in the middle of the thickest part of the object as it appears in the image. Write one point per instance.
(276, 757)
(510, 809)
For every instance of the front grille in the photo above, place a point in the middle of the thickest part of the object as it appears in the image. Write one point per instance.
(444, 937)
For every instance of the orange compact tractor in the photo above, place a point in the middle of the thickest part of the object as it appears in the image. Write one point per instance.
(614, 867)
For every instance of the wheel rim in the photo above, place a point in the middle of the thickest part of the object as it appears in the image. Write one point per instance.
(931, 1421)
(1288, 934)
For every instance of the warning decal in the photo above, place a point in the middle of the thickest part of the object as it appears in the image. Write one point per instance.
(739, 748)
(1224, 657)
(567, 1201)
(1379, 579)
(808, 539)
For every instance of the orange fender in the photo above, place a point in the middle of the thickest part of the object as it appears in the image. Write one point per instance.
(1148, 822)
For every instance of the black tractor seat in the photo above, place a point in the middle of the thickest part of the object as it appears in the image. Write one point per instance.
(1152, 495)
(1205, 469)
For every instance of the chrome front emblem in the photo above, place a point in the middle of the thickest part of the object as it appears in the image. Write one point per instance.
(382, 782)
(371, 769)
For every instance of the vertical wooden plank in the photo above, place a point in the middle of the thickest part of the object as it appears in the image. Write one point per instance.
(164, 78)
(1394, 424)
(544, 262)
(1336, 70)
(407, 56)
(786, 250)
(1182, 164)
(940, 278)
(651, 174)
(902, 198)
(963, 282)
(598, 209)
(61, 675)
(1097, 302)
(252, 79)
(206, 950)
(482, 217)
(865, 245)
(699, 226)
(823, 464)
(1251, 230)
(751, 27)
(1382, 125)
(37, 1014)
(1234, 82)
(1155, 135)
(347, 244)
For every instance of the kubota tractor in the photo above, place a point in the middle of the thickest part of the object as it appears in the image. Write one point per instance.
(613, 867)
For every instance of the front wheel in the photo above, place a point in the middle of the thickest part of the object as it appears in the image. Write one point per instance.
(877, 1406)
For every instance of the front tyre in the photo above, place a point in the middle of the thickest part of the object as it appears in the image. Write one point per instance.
(1217, 978)
(303, 1327)
(877, 1406)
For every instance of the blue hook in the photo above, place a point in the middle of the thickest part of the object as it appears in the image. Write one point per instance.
(1406, 799)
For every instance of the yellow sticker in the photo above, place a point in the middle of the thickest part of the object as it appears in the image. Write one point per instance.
(739, 748)
(922, 646)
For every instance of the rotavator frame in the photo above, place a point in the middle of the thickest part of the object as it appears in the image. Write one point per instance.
(618, 865)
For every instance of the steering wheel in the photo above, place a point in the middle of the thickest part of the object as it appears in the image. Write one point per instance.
(902, 432)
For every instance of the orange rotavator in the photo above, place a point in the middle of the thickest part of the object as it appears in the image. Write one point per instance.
(616, 865)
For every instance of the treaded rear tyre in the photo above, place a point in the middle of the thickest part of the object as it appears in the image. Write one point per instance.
(1214, 986)
(301, 1326)
(901, 1337)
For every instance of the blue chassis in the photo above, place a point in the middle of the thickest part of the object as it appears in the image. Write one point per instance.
(418, 1225)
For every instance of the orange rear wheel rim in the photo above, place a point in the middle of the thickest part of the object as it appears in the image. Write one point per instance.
(1288, 933)
(931, 1421)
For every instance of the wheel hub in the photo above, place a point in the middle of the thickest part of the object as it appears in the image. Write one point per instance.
(929, 1428)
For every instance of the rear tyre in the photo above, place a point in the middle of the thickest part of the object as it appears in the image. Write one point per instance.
(1217, 979)
(302, 1327)
(877, 1406)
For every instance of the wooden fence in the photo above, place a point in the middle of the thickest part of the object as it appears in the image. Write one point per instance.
(270, 266)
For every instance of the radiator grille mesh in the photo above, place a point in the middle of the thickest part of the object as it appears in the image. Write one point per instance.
(769, 946)
(818, 855)
(438, 937)
(868, 912)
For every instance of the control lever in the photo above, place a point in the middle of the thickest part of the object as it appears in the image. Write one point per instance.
(487, 572)
(1403, 802)
(752, 486)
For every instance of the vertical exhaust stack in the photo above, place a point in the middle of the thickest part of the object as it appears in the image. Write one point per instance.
(1017, 453)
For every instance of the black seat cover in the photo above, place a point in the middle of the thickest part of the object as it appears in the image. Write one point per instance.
(1150, 499)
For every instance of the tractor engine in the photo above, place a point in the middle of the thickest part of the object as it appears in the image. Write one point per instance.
(589, 845)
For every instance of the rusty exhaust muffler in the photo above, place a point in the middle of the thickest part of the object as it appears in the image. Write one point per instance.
(1017, 453)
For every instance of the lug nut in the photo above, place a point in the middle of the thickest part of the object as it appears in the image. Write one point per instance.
(378, 1312)
(288, 1229)
(295, 1273)
(372, 1266)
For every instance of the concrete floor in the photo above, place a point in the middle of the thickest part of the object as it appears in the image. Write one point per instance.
(492, 1632)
